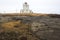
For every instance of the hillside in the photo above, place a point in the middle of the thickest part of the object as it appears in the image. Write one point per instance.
(23, 14)
(29, 27)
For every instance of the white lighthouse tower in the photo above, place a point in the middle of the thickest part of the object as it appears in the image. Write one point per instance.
(25, 8)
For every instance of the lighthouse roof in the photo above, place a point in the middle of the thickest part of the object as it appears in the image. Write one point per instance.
(25, 2)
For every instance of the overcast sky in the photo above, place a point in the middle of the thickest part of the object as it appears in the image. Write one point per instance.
(38, 6)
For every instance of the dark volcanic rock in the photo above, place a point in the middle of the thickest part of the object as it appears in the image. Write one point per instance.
(43, 27)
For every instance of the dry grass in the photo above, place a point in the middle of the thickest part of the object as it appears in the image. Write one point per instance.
(24, 14)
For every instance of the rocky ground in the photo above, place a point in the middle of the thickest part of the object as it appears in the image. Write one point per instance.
(30, 28)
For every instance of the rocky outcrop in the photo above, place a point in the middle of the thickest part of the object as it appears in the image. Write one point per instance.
(39, 27)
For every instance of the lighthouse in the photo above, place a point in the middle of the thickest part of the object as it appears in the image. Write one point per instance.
(25, 8)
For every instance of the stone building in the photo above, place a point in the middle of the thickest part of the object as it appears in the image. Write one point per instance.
(25, 8)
